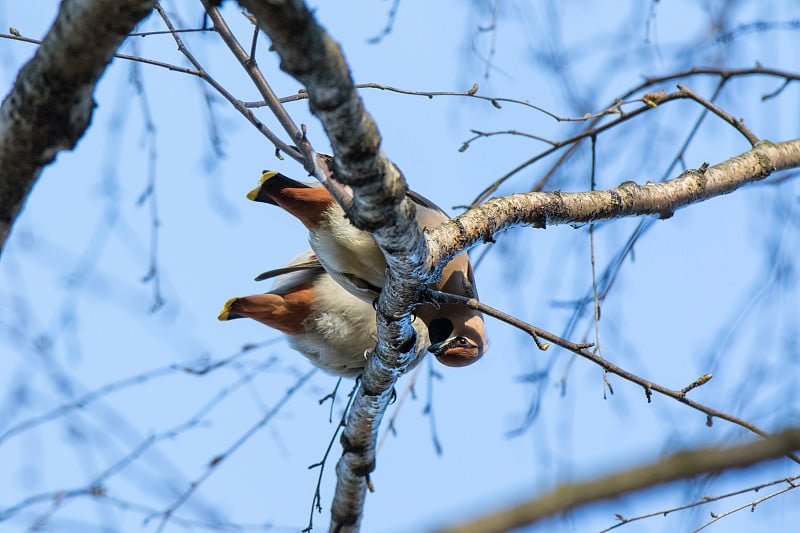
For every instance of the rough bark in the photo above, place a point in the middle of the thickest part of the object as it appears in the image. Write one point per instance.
(379, 206)
(313, 58)
(51, 103)
(540, 209)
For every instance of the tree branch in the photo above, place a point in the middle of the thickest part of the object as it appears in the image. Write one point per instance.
(581, 349)
(539, 209)
(313, 58)
(678, 466)
(703, 500)
(379, 206)
(51, 103)
(593, 128)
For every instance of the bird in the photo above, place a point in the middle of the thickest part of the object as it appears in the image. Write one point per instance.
(329, 326)
(353, 259)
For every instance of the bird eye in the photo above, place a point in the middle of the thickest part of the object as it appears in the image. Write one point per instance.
(439, 329)
(462, 341)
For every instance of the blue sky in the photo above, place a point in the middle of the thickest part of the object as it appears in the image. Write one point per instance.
(709, 290)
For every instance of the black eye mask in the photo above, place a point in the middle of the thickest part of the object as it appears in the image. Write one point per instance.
(439, 330)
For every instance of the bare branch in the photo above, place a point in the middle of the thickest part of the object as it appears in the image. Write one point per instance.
(615, 109)
(678, 466)
(316, 501)
(582, 349)
(380, 206)
(593, 128)
(724, 115)
(790, 481)
(98, 486)
(127, 57)
(236, 103)
(750, 505)
(539, 209)
(51, 103)
(221, 457)
(301, 150)
(389, 24)
(249, 64)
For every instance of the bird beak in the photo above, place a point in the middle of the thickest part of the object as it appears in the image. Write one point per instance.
(456, 351)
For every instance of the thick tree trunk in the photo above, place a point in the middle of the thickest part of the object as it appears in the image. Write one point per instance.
(51, 103)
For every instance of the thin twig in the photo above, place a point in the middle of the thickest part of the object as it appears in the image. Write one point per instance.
(92, 396)
(495, 101)
(557, 145)
(97, 486)
(389, 24)
(126, 57)
(750, 505)
(103, 495)
(428, 409)
(682, 465)
(597, 349)
(83, 401)
(593, 129)
(332, 397)
(702, 501)
(581, 349)
(169, 32)
(316, 501)
(215, 462)
(610, 273)
(150, 195)
(482, 134)
(257, 77)
(302, 151)
(492, 29)
(235, 102)
(721, 113)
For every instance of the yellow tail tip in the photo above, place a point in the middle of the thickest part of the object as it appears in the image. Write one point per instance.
(226, 309)
(252, 195)
(265, 175)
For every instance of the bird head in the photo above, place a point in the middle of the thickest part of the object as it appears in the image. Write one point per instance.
(457, 344)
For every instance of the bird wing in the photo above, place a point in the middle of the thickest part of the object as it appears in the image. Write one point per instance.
(307, 264)
(429, 215)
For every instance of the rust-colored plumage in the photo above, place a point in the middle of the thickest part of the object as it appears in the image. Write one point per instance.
(285, 312)
(332, 328)
(354, 260)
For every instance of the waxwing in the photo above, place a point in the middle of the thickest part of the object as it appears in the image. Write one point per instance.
(353, 258)
(333, 329)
